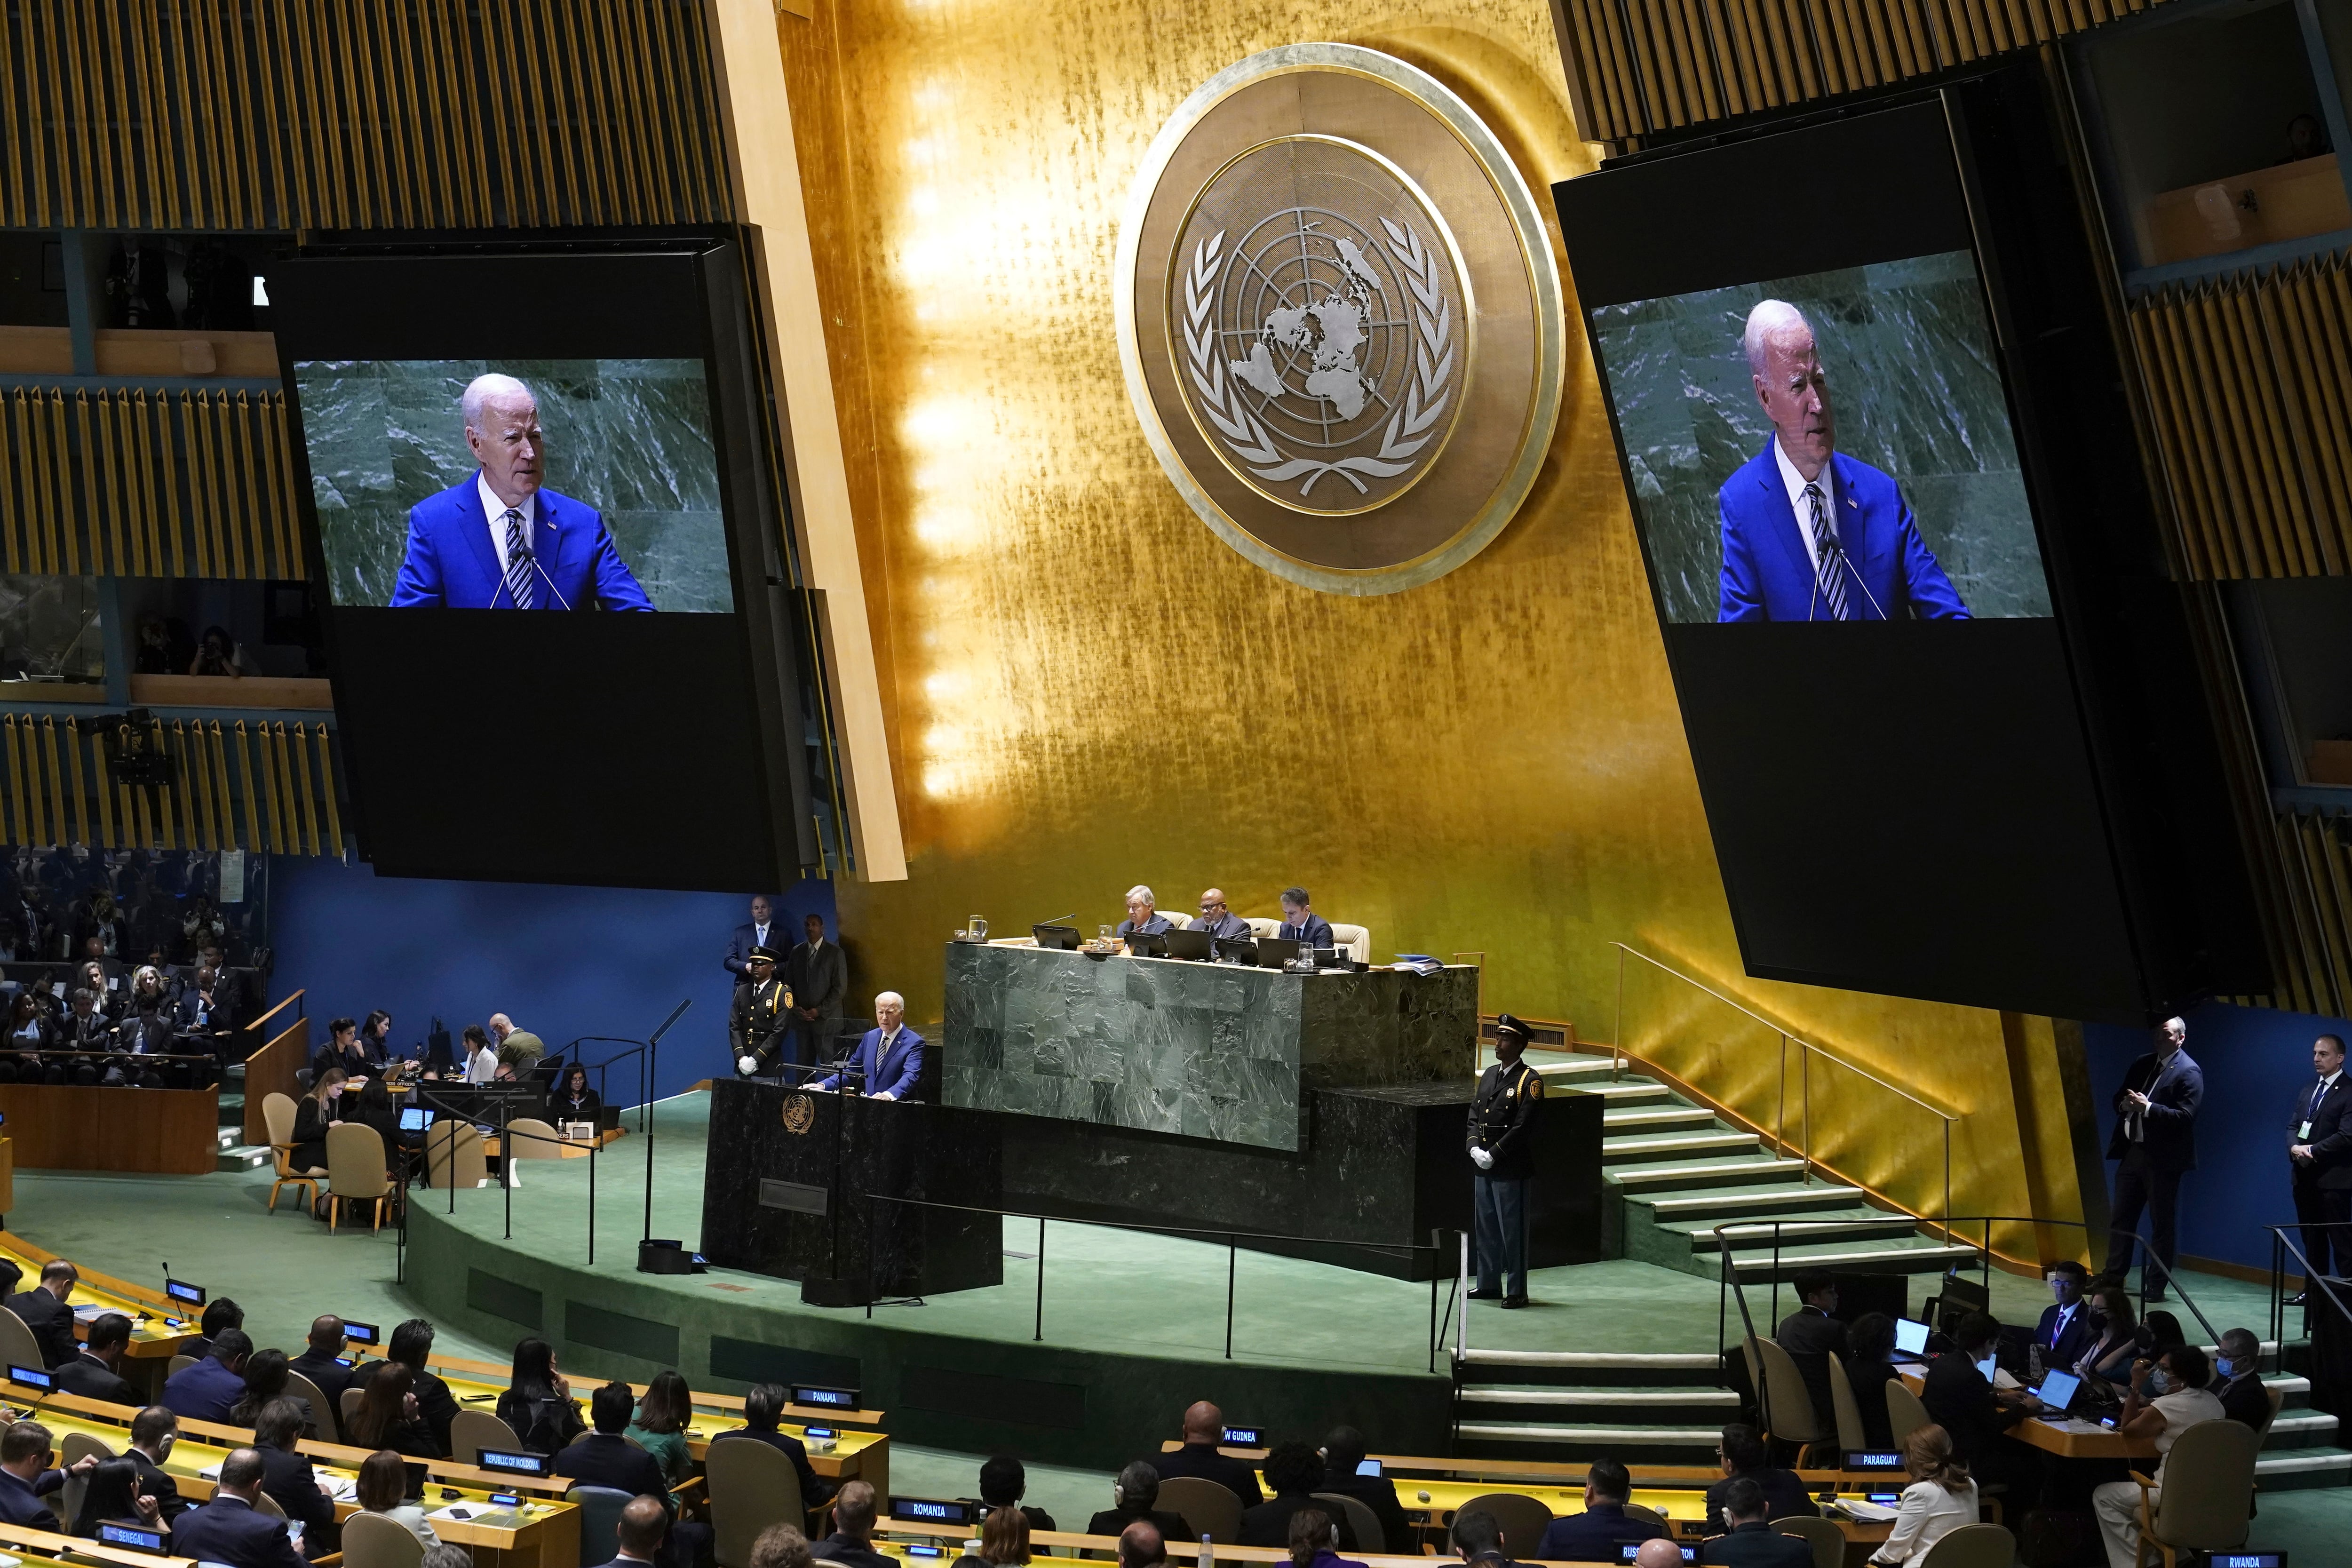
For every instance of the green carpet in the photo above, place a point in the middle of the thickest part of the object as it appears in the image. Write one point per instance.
(1112, 1285)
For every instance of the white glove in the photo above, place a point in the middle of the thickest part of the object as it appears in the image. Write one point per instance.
(747, 1066)
(1481, 1158)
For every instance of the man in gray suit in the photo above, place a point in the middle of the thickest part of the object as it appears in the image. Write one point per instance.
(818, 976)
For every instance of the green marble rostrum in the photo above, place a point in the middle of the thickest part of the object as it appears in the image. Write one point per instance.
(630, 438)
(1206, 1050)
(1915, 390)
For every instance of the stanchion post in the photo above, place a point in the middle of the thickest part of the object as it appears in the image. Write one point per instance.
(1233, 1250)
(1040, 1335)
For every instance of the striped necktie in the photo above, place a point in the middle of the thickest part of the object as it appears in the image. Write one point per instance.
(519, 568)
(1824, 543)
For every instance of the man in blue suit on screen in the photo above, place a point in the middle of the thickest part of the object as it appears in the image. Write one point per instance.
(1810, 534)
(499, 541)
(890, 1057)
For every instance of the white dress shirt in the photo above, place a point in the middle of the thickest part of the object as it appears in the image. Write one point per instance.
(496, 511)
(482, 1066)
(1796, 482)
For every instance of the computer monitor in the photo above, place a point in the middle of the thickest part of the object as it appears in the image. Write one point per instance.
(1272, 953)
(416, 1118)
(1063, 937)
(1146, 944)
(2058, 1390)
(1192, 945)
(1910, 1338)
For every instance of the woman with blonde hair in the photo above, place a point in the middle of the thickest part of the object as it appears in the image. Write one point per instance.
(1939, 1500)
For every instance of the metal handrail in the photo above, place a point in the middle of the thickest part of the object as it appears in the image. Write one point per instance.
(1784, 1033)
(2279, 1240)
(1619, 1056)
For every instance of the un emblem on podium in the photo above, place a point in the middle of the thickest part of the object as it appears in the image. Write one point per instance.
(799, 1114)
(1339, 318)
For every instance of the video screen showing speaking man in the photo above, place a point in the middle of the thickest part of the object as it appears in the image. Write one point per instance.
(568, 485)
(1828, 448)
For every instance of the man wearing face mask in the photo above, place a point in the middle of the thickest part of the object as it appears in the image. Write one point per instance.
(2166, 1400)
(2240, 1366)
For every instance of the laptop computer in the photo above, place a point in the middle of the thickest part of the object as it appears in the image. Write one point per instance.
(2058, 1390)
(1272, 953)
(1192, 945)
(1064, 937)
(1910, 1338)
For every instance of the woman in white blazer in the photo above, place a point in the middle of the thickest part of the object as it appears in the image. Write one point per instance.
(1939, 1500)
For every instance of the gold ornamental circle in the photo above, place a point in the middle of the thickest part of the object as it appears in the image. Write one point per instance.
(799, 1114)
(1339, 318)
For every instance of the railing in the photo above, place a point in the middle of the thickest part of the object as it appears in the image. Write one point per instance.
(1807, 1051)
(1438, 1243)
(270, 1066)
(2282, 1248)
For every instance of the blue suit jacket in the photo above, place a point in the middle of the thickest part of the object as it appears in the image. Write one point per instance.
(1767, 576)
(896, 1073)
(451, 565)
(231, 1529)
(205, 1392)
(782, 939)
(1316, 933)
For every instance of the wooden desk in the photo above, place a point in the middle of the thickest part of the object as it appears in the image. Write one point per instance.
(542, 1533)
(2036, 1433)
(77, 1127)
(41, 1545)
(157, 1334)
(574, 1148)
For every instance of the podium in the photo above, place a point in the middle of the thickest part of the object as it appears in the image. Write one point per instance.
(787, 1184)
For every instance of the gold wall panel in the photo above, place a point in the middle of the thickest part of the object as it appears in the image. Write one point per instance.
(2249, 396)
(1640, 67)
(263, 787)
(357, 113)
(1086, 688)
(127, 483)
(2311, 954)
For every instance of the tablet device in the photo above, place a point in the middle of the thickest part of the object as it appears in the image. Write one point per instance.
(415, 1118)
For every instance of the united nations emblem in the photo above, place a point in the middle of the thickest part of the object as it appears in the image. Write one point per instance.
(1340, 317)
(799, 1114)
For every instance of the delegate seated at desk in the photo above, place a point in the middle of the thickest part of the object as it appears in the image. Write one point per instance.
(1301, 925)
(1143, 916)
(889, 1059)
(1217, 919)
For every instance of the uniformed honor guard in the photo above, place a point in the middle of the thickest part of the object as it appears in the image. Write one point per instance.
(1501, 1149)
(759, 1021)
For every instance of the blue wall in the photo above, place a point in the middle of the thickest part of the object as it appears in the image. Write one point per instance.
(560, 962)
(2256, 1063)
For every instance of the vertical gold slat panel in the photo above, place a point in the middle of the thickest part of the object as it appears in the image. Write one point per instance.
(2271, 311)
(2192, 494)
(12, 809)
(334, 845)
(301, 751)
(2267, 422)
(224, 800)
(59, 833)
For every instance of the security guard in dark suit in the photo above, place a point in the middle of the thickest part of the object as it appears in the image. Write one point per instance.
(1502, 1150)
(2319, 1156)
(762, 1017)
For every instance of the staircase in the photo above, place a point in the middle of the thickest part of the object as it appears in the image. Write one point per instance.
(235, 1154)
(1673, 1172)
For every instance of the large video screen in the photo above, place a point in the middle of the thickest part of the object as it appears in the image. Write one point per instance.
(536, 486)
(1924, 773)
(529, 484)
(1830, 446)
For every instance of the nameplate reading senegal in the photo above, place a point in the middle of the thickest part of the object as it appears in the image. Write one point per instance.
(1339, 318)
(799, 1114)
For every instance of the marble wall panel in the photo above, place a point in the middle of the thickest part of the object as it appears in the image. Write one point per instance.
(1202, 1050)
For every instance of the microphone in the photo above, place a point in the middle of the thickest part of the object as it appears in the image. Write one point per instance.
(532, 556)
(1057, 919)
(1830, 547)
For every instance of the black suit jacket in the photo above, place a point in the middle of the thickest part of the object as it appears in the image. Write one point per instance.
(52, 1323)
(1115, 1521)
(2246, 1401)
(609, 1459)
(1869, 1380)
(232, 1530)
(2175, 1091)
(1268, 1524)
(1784, 1495)
(331, 1376)
(2330, 1166)
(1203, 1459)
(1378, 1494)
(288, 1478)
(1960, 1401)
(88, 1377)
(157, 1483)
(23, 1502)
(2082, 1332)
(819, 978)
(1749, 1546)
(839, 1548)
(746, 938)
(436, 1405)
(1810, 1337)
